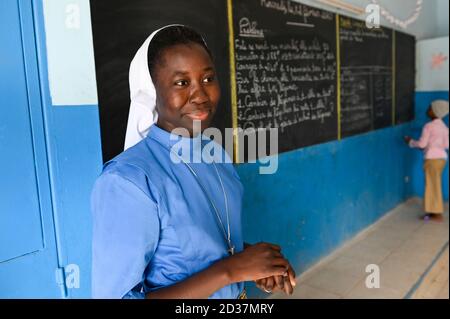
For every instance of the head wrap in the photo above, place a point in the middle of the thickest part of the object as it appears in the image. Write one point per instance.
(142, 113)
(440, 108)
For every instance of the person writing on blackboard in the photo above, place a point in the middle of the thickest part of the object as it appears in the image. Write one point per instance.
(434, 142)
(172, 229)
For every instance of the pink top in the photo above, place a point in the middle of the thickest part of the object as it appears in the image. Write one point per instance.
(434, 140)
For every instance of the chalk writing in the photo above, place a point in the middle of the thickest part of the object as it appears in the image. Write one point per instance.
(284, 83)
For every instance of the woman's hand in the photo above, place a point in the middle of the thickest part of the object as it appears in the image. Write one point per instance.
(278, 283)
(256, 262)
(273, 284)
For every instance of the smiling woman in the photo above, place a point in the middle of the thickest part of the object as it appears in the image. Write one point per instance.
(173, 230)
(186, 88)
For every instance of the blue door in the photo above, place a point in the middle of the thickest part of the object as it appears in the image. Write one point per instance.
(28, 242)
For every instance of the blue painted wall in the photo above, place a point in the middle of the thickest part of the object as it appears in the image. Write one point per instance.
(324, 195)
(75, 161)
(66, 151)
(28, 245)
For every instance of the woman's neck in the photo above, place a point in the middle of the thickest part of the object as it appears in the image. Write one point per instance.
(184, 132)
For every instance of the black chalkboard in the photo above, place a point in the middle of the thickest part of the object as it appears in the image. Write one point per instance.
(405, 65)
(119, 29)
(366, 77)
(286, 70)
(285, 62)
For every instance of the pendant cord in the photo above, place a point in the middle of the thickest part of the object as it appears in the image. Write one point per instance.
(226, 202)
(226, 234)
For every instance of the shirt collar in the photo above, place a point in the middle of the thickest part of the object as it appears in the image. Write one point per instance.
(168, 140)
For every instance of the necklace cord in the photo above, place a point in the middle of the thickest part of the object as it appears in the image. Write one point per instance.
(226, 234)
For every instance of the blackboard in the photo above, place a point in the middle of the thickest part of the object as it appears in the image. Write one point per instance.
(366, 77)
(405, 65)
(119, 29)
(286, 71)
(314, 75)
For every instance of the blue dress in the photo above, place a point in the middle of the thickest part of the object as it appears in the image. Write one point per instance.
(153, 225)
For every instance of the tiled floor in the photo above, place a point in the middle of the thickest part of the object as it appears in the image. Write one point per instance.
(435, 284)
(411, 255)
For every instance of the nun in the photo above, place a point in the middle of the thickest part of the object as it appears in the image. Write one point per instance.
(434, 143)
(172, 229)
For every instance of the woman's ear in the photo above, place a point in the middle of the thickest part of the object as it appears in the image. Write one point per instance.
(430, 112)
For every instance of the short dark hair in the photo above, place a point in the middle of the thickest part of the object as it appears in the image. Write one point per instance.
(169, 37)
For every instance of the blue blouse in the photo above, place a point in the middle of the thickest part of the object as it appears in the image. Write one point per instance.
(153, 225)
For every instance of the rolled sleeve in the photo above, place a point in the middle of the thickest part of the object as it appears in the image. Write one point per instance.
(125, 236)
(424, 138)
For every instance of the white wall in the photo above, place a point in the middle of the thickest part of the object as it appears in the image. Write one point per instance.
(432, 22)
(442, 17)
(432, 76)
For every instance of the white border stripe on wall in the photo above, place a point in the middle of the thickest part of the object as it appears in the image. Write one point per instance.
(70, 54)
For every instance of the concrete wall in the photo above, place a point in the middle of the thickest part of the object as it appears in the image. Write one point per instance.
(323, 195)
